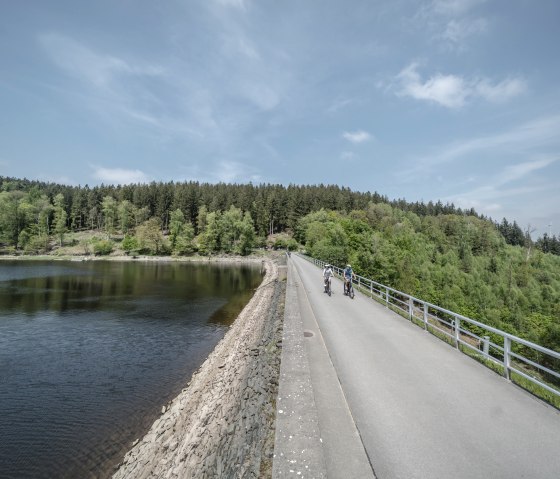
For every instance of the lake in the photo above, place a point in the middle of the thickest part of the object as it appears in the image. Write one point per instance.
(91, 351)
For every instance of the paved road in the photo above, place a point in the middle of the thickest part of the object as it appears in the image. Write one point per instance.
(421, 408)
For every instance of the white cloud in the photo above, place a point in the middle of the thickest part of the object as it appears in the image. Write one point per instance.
(454, 91)
(347, 156)
(121, 176)
(447, 90)
(359, 136)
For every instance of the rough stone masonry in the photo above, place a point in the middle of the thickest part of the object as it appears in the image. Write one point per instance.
(222, 424)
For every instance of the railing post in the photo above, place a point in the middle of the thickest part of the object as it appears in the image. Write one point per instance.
(457, 323)
(507, 350)
(387, 297)
(486, 345)
(371, 289)
(425, 316)
(410, 308)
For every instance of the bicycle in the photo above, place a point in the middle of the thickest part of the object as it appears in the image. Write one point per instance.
(328, 289)
(348, 288)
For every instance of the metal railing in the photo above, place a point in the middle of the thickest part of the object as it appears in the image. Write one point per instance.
(508, 354)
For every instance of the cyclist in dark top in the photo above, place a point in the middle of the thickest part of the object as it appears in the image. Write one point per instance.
(348, 275)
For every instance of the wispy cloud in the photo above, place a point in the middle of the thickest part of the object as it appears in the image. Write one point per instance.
(451, 22)
(511, 182)
(458, 31)
(118, 89)
(452, 91)
(87, 65)
(232, 171)
(359, 136)
(502, 91)
(347, 155)
(521, 170)
(242, 4)
(339, 104)
(536, 134)
(121, 176)
(225, 171)
(452, 7)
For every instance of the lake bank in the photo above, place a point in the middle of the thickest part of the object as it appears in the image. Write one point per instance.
(62, 295)
(222, 423)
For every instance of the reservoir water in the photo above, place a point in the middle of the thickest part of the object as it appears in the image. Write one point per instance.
(90, 351)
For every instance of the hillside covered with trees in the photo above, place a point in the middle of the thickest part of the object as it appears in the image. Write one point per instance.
(457, 259)
(461, 263)
(38, 208)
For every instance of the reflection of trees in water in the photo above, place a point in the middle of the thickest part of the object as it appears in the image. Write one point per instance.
(227, 314)
(117, 286)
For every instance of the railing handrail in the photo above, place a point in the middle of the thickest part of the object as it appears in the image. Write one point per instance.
(456, 327)
(517, 339)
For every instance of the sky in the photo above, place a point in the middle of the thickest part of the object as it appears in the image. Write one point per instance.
(451, 100)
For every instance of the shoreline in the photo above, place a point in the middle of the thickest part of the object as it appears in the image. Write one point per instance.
(160, 259)
(222, 422)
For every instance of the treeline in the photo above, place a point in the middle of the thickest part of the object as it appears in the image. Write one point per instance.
(461, 263)
(273, 208)
(30, 208)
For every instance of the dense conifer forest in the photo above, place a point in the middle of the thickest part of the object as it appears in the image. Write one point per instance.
(460, 260)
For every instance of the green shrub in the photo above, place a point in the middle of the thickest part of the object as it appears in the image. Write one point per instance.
(37, 244)
(129, 244)
(102, 247)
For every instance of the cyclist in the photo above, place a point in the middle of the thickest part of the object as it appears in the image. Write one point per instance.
(327, 274)
(348, 275)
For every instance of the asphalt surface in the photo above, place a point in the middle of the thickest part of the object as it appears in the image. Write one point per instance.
(394, 399)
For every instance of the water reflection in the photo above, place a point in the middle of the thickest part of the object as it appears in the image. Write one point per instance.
(110, 285)
(90, 351)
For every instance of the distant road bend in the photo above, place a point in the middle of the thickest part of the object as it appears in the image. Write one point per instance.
(420, 408)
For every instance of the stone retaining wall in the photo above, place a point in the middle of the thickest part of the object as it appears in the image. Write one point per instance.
(222, 424)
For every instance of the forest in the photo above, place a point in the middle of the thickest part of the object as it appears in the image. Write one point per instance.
(460, 260)
(273, 208)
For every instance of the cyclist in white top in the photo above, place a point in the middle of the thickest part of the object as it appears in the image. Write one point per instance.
(327, 275)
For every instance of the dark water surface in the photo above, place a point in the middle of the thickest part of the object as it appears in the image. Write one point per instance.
(90, 351)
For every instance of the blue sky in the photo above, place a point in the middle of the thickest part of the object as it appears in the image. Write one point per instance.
(452, 100)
